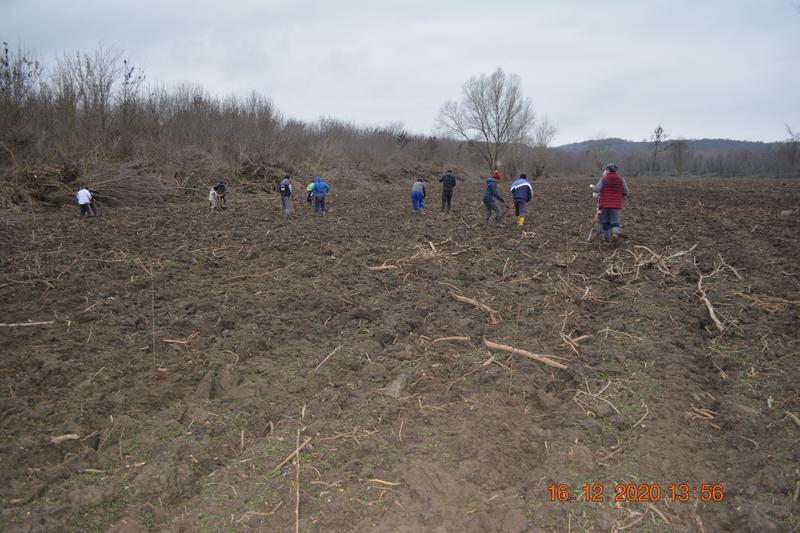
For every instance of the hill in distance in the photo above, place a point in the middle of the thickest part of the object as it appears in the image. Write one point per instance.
(707, 146)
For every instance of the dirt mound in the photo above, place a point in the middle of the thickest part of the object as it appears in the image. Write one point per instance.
(161, 365)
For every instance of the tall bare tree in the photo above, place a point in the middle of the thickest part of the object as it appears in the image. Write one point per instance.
(492, 114)
(20, 75)
(657, 138)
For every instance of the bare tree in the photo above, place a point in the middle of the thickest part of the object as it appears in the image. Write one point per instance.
(92, 78)
(657, 138)
(680, 151)
(131, 82)
(20, 75)
(542, 137)
(493, 114)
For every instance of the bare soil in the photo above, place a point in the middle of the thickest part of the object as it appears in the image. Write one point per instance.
(407, 434)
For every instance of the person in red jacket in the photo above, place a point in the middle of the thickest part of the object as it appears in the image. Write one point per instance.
(611, 188)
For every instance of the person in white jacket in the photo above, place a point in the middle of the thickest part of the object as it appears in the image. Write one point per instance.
(85, 202)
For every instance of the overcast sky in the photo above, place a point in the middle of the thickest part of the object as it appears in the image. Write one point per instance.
(702, 68)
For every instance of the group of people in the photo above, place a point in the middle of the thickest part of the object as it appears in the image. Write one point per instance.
(418, 193)
(316, 192)
(521, 193)
(609, 192)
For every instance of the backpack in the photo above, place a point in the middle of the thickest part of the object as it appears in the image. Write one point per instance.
(286, 189)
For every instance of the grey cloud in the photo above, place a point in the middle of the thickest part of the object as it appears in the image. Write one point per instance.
(712, 68)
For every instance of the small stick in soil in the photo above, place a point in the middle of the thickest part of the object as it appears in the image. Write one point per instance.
(735, 272)
(658, 512)
(704, 298)
(62, 438)
(291, 455)
(179, 341)
(609, 330)
(328, 357)
(254, 513)
(297, 484)
(450, 339)
(793, 417)
(382, 482)
(646, 412)
(544, 359)
(465, 376)
(494, 316)
(23, 324)
(380, 268)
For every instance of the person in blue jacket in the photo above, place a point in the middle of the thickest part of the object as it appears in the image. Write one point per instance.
(522, 193)
(490, 194)
(418, 196)
(320, 190)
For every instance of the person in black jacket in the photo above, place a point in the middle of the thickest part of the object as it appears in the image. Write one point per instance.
(448, 181)
(287, 195)
(220, 189)
(522, 193)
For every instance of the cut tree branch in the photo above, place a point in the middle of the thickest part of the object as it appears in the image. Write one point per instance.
(544, 359)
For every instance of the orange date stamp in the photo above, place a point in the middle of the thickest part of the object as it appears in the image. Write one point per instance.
(637, 492)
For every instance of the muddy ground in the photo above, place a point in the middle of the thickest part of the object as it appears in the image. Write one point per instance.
(104, 425)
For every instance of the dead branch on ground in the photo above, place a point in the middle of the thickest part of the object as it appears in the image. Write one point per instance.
(793, 417)
(769, 304)
(643, 257)
(188, 340)
(327, 357)
(706, 415)
(23, 324)
(701, 292)
(726, 265)
(450, 339)
(494, 316)
(291, 455)
(382, 267)
(544, 359)
(297, 484)
(593, 395)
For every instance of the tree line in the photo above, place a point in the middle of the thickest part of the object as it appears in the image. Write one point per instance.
(85, 108)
